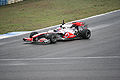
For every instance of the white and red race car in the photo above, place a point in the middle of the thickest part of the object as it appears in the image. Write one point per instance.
(75, 30)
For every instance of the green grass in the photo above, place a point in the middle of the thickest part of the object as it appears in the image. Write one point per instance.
(35, 14)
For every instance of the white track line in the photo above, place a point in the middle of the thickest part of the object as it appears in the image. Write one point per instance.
(96, 15)
(68, 23)
(62, 58)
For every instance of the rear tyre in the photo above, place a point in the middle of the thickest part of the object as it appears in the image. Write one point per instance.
(86, 33)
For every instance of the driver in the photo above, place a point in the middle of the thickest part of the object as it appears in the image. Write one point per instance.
(59, 28)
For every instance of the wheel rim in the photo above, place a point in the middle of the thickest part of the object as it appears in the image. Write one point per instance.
(88, 34)
(54, 39)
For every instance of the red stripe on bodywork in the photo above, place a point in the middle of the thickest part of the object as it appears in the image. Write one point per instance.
(29, 39)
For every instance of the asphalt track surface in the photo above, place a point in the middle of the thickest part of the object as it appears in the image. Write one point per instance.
(95, 59)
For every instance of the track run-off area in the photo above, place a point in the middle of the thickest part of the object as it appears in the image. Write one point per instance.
(95, 59)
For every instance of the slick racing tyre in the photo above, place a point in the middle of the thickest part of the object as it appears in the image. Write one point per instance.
(86, 33)
(53, 38)
(32, 34)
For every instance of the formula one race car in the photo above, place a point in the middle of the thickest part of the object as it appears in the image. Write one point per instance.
(75, 30)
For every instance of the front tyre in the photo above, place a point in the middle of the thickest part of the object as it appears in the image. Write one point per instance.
(32, 34)
(86, 33)
(53, 38)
